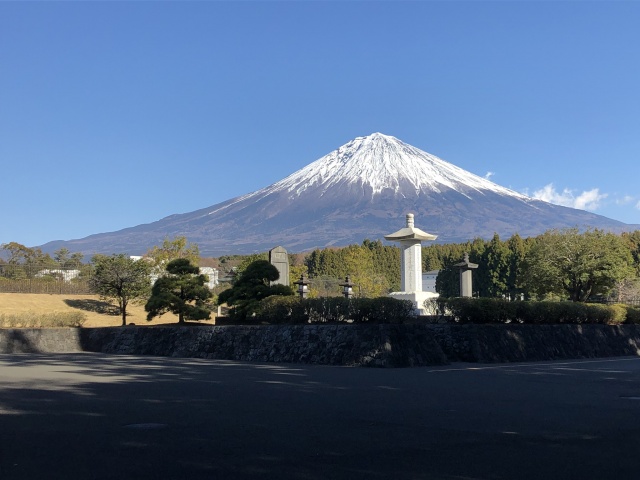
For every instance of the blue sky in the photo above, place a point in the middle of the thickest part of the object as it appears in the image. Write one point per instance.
(114, 114)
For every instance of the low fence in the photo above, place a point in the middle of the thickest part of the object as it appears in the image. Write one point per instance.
(59, 280)
(632, 301)
(39, 279)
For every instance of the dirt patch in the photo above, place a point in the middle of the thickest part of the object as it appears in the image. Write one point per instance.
(98, 312)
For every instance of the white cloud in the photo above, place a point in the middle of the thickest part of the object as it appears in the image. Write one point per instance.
(588, 200)
(638, 205)
(627, 199)
(488, 175)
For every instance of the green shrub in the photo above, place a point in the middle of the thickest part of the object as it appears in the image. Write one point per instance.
(533, 312)
(43, 320)
(605, 314)
(293, 310)
(481, 310)
(567, 312)
(434, 307)
(328, 309)
(633, 315)
(546, 312)
(619, 314)
(492, 310)
(381, 310)
(280, 310)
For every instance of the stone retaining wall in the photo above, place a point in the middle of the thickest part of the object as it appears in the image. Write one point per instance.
(357, 345)
(519, 343)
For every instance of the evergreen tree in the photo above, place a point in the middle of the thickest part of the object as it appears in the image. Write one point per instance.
(494, 268)
(182, 292)
(577, 265)
(632, 240)
(325, 262)
(253, 284)
(65, 259)
(432, 257)
(249, 259)
(448, 279)
(386, 263)
(518, 251)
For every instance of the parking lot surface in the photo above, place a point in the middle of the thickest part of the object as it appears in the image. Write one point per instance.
(93, 416)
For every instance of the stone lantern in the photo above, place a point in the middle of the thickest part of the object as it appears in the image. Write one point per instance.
(466, 282)
(303, 286)
(347, 287)
(410, 239)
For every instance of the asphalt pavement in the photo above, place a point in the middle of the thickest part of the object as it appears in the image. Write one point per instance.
(94, 416)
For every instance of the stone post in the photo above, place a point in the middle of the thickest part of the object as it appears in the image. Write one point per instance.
(466, 281)
(279, 258)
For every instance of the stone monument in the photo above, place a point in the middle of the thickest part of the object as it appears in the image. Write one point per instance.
(279, 258)
(410, 239)
(466, 284)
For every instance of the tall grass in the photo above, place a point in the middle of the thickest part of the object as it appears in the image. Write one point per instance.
(42, 320)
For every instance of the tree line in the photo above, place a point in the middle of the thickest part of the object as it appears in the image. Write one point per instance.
(563, 264)
(33, 260)
(559, 264)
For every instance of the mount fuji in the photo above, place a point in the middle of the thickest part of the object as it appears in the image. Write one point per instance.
(361, 190)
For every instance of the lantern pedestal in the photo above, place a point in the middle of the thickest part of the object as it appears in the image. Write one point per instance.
(410, 239)
(418, 299)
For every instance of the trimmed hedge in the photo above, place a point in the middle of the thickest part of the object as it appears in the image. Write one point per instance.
(42, 320)
(494, 310)
(293, 310)
(290, 310)
(633, 315)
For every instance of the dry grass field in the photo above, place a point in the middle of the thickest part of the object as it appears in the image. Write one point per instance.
(98, 312)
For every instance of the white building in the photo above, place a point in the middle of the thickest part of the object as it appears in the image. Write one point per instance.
(429, 281)
(66, 275)
(213, 276)
(211, 272)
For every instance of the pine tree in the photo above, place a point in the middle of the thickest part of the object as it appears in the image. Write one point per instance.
(495, 262)
(182, 292)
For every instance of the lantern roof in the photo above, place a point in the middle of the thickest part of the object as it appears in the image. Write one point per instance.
(466, 263)
(410, 232)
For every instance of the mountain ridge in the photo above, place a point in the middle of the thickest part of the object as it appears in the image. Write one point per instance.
(360, 190)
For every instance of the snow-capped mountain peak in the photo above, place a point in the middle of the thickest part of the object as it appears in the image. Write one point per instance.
(381, 162)
(361, 190)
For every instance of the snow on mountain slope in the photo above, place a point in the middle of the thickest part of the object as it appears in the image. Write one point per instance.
(361, 190)
(382, 162)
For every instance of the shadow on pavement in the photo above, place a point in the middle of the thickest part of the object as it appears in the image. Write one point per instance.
(123, 417)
